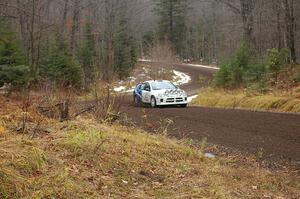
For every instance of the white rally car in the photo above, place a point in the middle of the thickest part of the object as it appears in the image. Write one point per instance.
(159, 93)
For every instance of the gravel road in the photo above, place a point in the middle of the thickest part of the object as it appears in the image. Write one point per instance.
(276, 134)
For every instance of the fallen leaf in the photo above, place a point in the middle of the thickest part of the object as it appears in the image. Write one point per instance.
(2, 129)
(254, 187)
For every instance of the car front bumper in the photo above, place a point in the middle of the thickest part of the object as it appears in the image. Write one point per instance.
(171, 101)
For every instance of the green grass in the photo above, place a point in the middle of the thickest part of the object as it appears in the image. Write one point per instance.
(254, 101)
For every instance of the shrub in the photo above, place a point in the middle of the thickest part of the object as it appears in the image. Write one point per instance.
(243, 69)
(222, 76)
(276, 60)
(87, 57)
(12, 68)
(10, 48)
(255, 77)
(236, 71)
(16, 76)
(60, 68)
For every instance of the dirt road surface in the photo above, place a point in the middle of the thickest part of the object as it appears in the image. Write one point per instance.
(274, 134)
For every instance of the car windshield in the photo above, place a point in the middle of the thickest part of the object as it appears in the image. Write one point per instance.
(162, 85)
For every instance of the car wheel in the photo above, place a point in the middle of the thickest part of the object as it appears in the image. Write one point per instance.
(153, 102)
(183, 105)
(136, 101)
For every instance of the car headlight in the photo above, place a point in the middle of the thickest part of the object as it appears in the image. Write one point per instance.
(160, 95)
(181, 93)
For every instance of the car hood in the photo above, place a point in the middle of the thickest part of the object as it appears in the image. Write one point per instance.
(170, 92)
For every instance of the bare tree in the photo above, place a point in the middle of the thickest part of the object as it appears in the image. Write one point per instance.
(246, 11)
(290, 27)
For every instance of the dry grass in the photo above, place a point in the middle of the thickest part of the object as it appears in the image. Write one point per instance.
(276, 101)
(85, 159)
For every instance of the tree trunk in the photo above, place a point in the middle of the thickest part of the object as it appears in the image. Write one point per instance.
(171, 21)
(277, 8)
(75, 27)
(247, 8)
(64, 19)
(290, 28)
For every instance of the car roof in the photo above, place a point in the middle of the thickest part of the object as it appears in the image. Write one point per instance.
(152, 81)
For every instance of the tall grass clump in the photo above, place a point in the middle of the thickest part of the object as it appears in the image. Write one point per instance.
(241, 99)
(19, 163)
(84, 143)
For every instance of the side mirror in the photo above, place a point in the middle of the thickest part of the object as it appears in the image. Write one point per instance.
(147, 89)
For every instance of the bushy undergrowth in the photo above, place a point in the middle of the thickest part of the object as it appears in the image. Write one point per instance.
(243, 69)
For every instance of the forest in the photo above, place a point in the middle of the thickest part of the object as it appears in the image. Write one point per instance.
(74, 43)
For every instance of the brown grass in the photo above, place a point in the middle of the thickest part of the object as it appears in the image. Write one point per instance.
(85, 159)
(276, 101)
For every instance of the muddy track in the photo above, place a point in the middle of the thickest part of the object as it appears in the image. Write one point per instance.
(276, 135)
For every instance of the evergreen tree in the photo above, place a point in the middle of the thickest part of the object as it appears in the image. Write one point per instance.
(147, 42)
(60, 68)
(87, 56)
(172, 22)
(10, 50)
(239, 69)
(125, 50)
(133, 51)
(12, 68)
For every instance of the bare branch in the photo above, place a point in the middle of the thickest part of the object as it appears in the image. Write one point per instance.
(229, 4)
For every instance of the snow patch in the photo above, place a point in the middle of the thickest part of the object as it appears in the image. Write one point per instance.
(202, 66)
(190, 98)
(195, 65)
(120, 88)
(209, 155)
(180, 78)
(123, 89)
(145, 60)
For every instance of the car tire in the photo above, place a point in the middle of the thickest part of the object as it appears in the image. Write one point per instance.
(153, 102)
(183, 105)
(136, 101)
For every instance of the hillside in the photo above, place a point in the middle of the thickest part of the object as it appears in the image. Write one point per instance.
(82, 158)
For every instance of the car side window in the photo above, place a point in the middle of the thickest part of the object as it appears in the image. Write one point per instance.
(142, 87)
(147, 87)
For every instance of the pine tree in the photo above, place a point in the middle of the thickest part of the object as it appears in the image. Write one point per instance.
(60, 67)
(12, 60)
(133, 51)
(10, 50)
(172, 22)
(147, 42)
(125, 50)
(87, 56)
